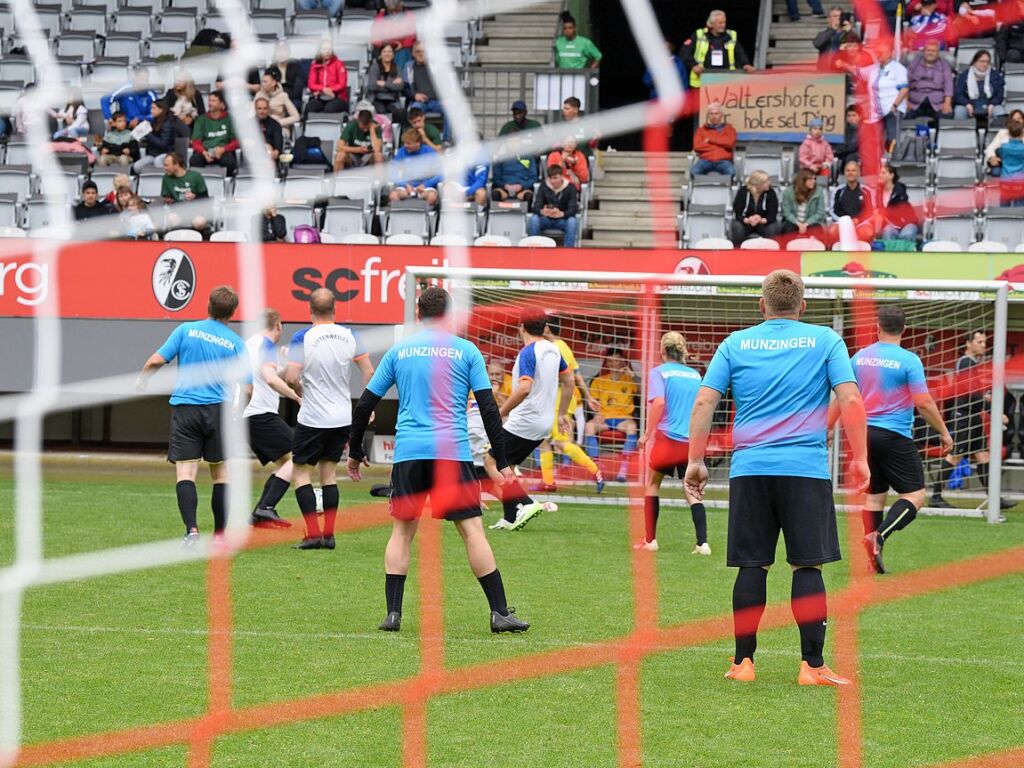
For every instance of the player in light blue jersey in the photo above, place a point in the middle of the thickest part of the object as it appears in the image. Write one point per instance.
(891, 380)
(781, 374)
(671, 389)
(434, 372)
(210, 357)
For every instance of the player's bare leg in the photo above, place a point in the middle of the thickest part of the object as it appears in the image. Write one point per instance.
(185, 473)
(484, 567)
(329, 488)
(302, 474)
(397, 554)
(265, 512)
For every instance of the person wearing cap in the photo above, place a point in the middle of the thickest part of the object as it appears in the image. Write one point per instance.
(714, 49)
(574, 51)
(519, 121)
(423, 187)
(429, 134)
(360, 143)
(815, 153)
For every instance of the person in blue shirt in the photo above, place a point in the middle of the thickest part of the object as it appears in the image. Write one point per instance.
(671, 389)
(211, 357)
(1011, 156)
(135, 99)
(435, 372)
(677, 60)
(891, 380)
(403, 173)
(781, 374)
(515, 176)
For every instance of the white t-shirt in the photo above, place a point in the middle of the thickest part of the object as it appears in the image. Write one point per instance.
(884, 84)
(261, 352)
(325, 353)
(542, 362)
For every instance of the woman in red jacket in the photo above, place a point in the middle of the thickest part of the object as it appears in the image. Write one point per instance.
(328, 82)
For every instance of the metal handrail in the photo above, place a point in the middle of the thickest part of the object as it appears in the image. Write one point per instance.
(764, 28)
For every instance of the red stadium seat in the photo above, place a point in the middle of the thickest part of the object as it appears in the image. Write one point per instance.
(611, 436)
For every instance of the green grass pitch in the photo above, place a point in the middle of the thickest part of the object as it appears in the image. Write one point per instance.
(942, 676)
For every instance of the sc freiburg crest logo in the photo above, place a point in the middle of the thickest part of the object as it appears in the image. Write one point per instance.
(174, 279)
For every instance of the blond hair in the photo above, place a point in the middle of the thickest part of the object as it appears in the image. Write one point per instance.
(783, 291)
(756, 179)
(673, 345)
(122, 181)
(271, 317)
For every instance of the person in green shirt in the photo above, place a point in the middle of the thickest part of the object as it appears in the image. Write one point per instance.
(574, 51)
(519, 121)
(428, 133)
(360, 142)
(182, 185)
(213, 137)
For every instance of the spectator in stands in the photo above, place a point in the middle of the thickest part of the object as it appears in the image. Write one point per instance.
(929, 25)
(514, 177)
(1011, 181)
(794, 10)
(72, 120)
(615, 388)
(421, 85)
(327, 82)
(889, 8)
(851, 137)
(166, 128)
(135, 221)
(889, 89)
(677, 61)
(1010, 35)
(119, 146)
(406, 184)
(555, 206)
(275, 229)
(385, 86)
(213, 137)
(91, 205)
(519, 121)
(803, 206)
(895, 218)
(573, 51)
(815, 152)
(280, 104)
(429, 134)
(360, 143)
(856, 63)
(122, 196)
(134, 99)
(992, 161)
(182, 185)
(571, 114)
(931, 84)
(853, 200)
(714, 49)
(573, 162)
(979, 89)
(828, 40)
(397, 27)
(714, 142)
(755, 209)
(473, 189)
(273, 135)
(333, 7)
(289, 73)
(185, 100)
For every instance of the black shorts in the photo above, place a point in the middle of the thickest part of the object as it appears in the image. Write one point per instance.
(270, 437)
(969, 433)
(894, 462)
(517, 448)
(669, 456)
(801, 507)
(195, 434)
(311, 445)
(452, 487)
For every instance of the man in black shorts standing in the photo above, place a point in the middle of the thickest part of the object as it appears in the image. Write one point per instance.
(210, 357)
(781, 374)
(435, 371)
(270, 437)
(891, 380)
(319, 358)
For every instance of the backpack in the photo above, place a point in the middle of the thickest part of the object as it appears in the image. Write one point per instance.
(912, 147)
(307, 151)
(304, 233)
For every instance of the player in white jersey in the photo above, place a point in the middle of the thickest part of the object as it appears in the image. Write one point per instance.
(319, 358)
(537, 372)
(270, 437)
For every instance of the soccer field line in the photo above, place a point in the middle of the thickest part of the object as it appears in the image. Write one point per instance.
(413, 639)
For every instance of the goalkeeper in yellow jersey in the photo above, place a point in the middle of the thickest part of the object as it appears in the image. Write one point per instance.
(563, 442)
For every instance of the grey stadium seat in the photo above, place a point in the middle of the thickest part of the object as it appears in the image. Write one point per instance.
(10, 210)
(303, 185)
(408, 217)
(16, 180)
(507, 220)
(1004, 225)
(344, 217)
(296, 214)
(701, 223)
(959, 228)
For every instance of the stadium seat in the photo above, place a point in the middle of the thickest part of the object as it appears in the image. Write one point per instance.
(987, 246)
(360, 238)
(9, 93)
(80, 45)
(324, 126)
(150, 181)
(1004, 225)
(183, 236)
(713, 244)
(354, 187)
(701, 223)
(537, 241)
(10, 210)
(410, 217)
(227, 236)
(70, 68)
(126, 45)
(345, 217)
(171, 44)
(458, 219)
(956, 170)
(51, 233)
(760, 157)
(310, 23)
(956, 136)
(41, 215)
(87, 18)
(216, 179)
(759, 244)
(7, 231)
(296, 215)
(267, 21)
(711, 190)
(17, 180)
(138, 20)
(245, 185)
(860, 245)
(303, 185)
(179, 20)
(492, 241)
(16, 68)
(451, 241)
(404, 239)
(507, 220)
(958, 228)
(112, 70)
(941, 246)
(805, 244)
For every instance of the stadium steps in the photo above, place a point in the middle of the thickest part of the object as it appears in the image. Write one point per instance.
(622, 216)
(792, 42)
(518, 38)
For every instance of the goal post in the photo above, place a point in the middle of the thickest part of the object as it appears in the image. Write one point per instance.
(603, 313)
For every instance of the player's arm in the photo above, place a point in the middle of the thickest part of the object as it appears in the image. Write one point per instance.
(584, 388)
(522, 389)
(833, 414)
(700, 428)
(271, 375)
(655, 410)
(363, 361)
(293, 377)
(855, 426)
(360, 419)
(151, 366)
(930, 412)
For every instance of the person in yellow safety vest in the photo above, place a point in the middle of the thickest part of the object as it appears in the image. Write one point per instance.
(714, 49)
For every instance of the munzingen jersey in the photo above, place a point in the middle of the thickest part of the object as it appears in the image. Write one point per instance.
(206, 352)
(889, 376)
(678, 384)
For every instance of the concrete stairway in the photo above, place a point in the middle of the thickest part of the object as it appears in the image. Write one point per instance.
(792, 42)
(623, 217)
